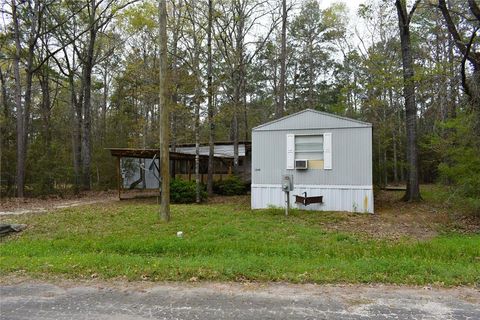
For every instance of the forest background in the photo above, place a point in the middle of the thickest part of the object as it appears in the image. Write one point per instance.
(80, 76)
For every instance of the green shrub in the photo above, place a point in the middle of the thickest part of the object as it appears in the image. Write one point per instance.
(231, 186)
(461, 165)
(182, 191)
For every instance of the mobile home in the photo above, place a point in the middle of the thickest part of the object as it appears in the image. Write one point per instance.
(327, 158)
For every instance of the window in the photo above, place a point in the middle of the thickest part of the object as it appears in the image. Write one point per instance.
(317, 149)
(309, 147)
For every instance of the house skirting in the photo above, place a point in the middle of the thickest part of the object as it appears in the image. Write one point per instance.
(335, 197)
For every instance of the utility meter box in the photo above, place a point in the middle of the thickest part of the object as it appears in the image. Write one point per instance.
(287, 182)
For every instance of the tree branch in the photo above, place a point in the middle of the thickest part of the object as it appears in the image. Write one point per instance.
(474, 8)
(465, 85)
(454, 33)
(414, 7)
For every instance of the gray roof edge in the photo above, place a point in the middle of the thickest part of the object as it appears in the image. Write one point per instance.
(365, 124)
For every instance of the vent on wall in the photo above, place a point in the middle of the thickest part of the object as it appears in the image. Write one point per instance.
(301, 164)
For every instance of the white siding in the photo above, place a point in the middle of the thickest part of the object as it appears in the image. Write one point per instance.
(351, 158)
(335, 198)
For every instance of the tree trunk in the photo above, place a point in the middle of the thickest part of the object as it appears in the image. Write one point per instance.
(452, 88)
(19, 105)
(385, 167)
(394, 136)
(175, 85)
(395, 161)
(239, 77)
(5, 104)
(244, 104)
(87, 101)
(235, 143)
(75, 119)
(164, 115)
(283, 62)
(46, 107)
(4, 126)
(23, 110)
(413, 190)
(197, 145)
(211, 126)
(197, 102)
(78, 125)
(104, 107)
(311, 78)
(294, 89)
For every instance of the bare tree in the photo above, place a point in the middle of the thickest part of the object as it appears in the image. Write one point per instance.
(404, 19)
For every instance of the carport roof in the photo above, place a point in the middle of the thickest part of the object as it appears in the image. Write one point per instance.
(150, 153)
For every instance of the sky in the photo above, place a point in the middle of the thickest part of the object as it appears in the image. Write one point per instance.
(352, 4)
(354, 21)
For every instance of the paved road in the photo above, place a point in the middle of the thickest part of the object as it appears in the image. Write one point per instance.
(38, 300)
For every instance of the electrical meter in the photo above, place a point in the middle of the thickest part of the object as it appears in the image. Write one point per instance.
(287, 183)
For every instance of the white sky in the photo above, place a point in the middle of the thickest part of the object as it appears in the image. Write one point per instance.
(352, 4)
(355, 22)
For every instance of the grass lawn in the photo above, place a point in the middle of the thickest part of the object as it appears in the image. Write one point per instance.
(229, 242)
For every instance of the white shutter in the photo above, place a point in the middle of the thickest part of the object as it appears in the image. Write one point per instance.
(327, 151)
(290, 151)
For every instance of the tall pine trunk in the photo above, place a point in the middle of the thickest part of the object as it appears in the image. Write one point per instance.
(413, 190)
(197, 146)
(23, 109)
(19, 105)
(283, 62)
(211, 127)
(87, 101)
(238, 78)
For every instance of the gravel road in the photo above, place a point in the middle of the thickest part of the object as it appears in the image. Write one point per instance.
(93, 300)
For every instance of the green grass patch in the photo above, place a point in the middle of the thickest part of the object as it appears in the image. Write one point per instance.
(227, 242)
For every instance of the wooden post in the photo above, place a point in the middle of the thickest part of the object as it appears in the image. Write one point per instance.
(189, 166)
(287, 202)
(164, 114)
(119, 179)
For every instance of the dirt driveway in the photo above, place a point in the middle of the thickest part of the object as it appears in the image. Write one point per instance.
(14, 206)
(30, 299)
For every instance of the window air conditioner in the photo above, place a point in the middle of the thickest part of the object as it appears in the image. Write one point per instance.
(301, 164)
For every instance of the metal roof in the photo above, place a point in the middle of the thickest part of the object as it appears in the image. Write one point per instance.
(150, 153)
(315, 120)
(221, 151)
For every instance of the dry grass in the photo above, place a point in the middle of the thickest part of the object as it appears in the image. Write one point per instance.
(394, 218)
